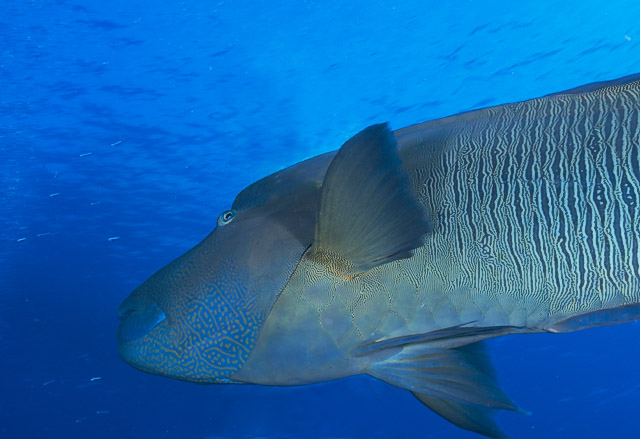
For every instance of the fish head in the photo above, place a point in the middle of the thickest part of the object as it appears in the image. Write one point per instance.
(198, 318)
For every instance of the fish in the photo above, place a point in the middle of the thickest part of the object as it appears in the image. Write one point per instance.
(402, 252)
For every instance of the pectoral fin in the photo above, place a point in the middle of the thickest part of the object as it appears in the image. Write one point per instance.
(368, 212)
(458, 383)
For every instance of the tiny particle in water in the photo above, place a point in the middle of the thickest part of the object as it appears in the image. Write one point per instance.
(85, 154)
(95, 202)
(21, 239)
(116, 143)
(627, 37)
(102, 412)
(55, 194)
(44, 234)
(46, 383)
(96, 378)
(79, 420)
(114, 238)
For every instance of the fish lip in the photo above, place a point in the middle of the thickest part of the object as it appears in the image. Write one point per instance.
(122, 315)
(131, 304)
(138, 318)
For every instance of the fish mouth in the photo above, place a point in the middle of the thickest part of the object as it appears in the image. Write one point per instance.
(138, 317)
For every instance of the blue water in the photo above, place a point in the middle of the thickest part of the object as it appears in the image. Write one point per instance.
(142, 120)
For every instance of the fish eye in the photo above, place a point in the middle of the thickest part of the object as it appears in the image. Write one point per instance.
(226, 217)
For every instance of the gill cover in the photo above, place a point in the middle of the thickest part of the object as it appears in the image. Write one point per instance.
(198, 318)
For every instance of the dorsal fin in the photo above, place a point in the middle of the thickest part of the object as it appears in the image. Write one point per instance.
(598, 85)
(368, 212)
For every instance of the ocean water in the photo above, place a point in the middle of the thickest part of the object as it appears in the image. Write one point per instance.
(126, 127)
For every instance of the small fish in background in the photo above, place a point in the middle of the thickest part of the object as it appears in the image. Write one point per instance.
(399, 254)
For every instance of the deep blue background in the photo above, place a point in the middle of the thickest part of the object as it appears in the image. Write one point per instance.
(205, 98)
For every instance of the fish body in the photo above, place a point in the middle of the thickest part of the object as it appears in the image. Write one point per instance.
(397, 255)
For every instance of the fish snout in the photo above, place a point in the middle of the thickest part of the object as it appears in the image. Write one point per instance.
(139, 315)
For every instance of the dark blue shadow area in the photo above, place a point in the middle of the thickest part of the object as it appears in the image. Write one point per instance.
(126, 127)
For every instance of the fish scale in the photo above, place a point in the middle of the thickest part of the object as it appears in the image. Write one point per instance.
(529, 233)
